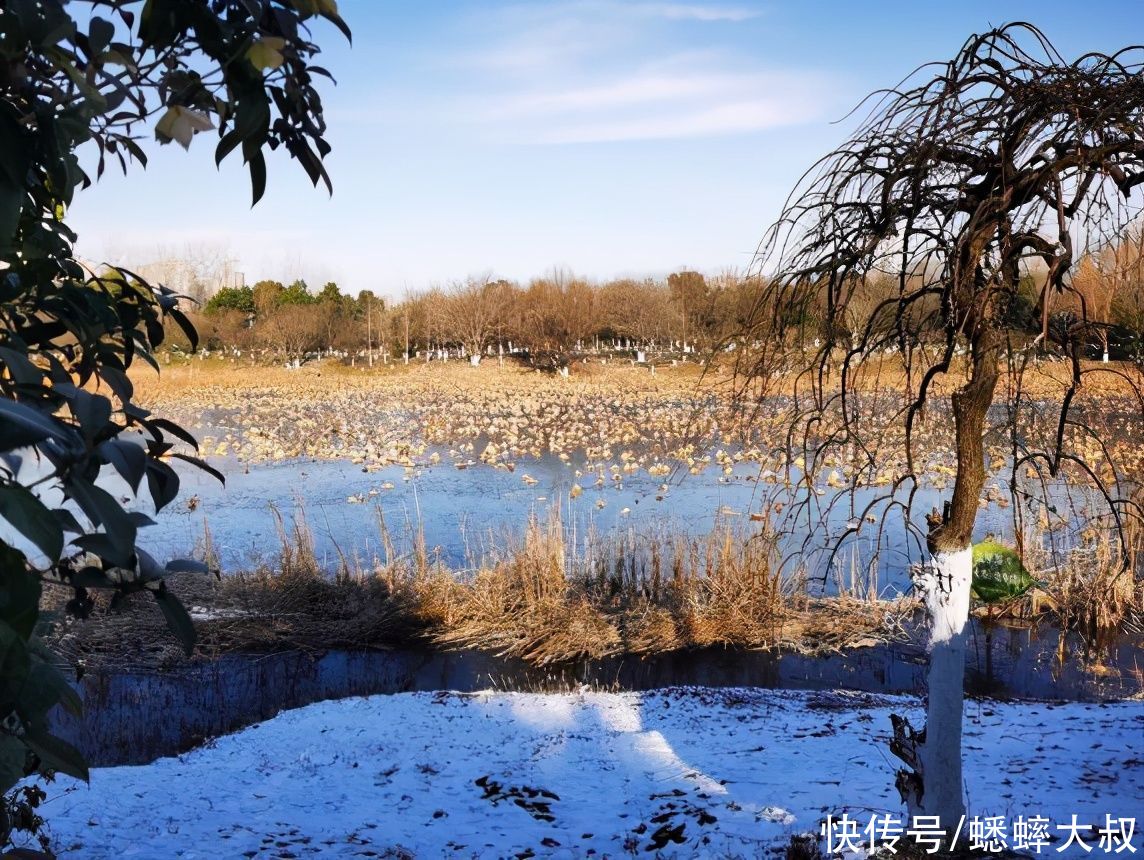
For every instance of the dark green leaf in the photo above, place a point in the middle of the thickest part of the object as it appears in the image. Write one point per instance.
(31, 518)
(337, 21)
(162, 482)
(102, 509)
(257, 165)
(13, 758)
(178, 621)
(44, 675)
(57, 755)
(149, 569)
(128, 458)
(187, 326)
(92, 411)
(91, 577)
(19, 593)
(140, 519)
(202, 464)
(67, 521)
(19, 367)
(118, 382)
(100, 34)
(14, 665)
(103, 546)
(34, 423)
(162, 424)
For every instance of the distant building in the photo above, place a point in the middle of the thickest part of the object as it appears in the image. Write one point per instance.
(196, 280)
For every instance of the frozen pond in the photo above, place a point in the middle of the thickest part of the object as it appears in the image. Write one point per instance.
(467, 512)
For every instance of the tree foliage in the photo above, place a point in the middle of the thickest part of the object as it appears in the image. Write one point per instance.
(232, 299)
(93, 74)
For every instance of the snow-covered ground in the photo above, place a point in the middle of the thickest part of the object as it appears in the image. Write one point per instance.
(722, 772)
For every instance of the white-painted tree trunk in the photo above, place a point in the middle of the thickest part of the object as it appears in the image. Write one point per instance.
(934, 787)
(947, 601)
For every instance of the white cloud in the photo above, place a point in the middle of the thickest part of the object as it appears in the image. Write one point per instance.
(695, 11)
(535, 36)
(602, 70)
(668, 100)
(625, 92)
(730, 118)
(531, 44)
(646, 88)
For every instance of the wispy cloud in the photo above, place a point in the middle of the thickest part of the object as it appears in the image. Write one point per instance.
(583, 71)
(639, 89)
(695, 11)
(543, 35)
(659, 104)
(721, 119)
(528, 42)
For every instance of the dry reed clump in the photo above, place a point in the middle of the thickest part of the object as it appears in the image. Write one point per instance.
(845, 622)
(291, 605)
(525, 606)
(722, 590)
(131, 633)
(1096, 588)
(1092, 589)
(297, 605)
(857, 616)
(268, 611)
(537, 601)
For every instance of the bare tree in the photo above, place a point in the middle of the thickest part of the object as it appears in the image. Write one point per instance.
(960, 177)
(734, 297)
(867, 295)
(431, 312)
(219, 330)
(293, 329)
(556, 312)
(1095, 285)
(578, 311)
(472, 312)
(692, 303)
(403, 325)
(373, 311)
(1126, 269)
(641, 310)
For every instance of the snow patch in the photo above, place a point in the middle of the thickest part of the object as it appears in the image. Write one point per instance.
(727, 773)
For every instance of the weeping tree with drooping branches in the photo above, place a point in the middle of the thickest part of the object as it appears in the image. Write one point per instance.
(965, 183)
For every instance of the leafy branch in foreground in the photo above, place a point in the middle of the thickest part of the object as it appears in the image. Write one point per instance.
(81, 464)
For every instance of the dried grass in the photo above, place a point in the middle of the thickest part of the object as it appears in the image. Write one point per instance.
(1097, 589)
(539, 600)
(547, 600)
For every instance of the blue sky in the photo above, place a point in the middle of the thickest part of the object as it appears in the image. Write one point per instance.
(611, 138)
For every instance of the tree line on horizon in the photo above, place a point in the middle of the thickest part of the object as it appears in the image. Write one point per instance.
(562, 313)
(557, 313)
